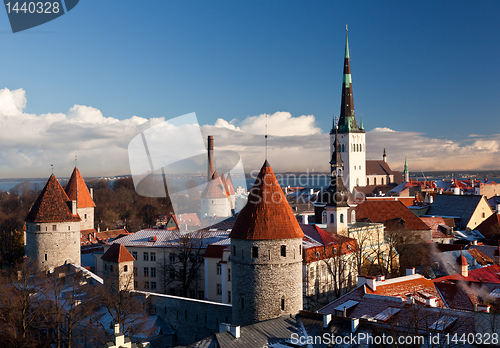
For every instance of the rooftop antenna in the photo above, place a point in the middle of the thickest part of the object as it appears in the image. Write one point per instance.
(266, 139)
(52, 166)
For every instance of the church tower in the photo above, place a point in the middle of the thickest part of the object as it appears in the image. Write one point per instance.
(266, 255)
(352, 138)
(334, 198)
(53, 229)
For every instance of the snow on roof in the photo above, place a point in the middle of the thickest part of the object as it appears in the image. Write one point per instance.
(347, 305)
(386, 314)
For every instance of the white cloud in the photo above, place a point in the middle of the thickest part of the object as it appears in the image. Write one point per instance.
(382, 130)
(280, 123)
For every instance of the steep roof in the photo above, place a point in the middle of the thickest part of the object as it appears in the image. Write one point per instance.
(461, 206)
(267, 214)
(489, 274)
(388, 212)
(230, 184)
(215, 188)
(117, 253)
(490, 226)
(377, 167)
(77, 190)
(52, 205)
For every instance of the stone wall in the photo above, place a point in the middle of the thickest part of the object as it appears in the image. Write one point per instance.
(191, 319)
(88, 222)
(50, 247)
(267, 285)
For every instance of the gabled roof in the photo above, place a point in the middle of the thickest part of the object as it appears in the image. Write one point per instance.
(481, 258)
(389, 212)
(461, 206)
(267, 214)
(191, 219)
(490, 226)
(489, 274)
(378, 167)
(454, 295)
(77, 190)
(437, 225)
(52, 205)
(215, 188)
(117, 253)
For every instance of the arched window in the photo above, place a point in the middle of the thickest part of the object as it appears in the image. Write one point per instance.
(323, 217)
(353, 216)
(332, 220)
(341, 218)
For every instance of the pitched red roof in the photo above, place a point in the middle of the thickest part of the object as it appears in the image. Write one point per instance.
(215, 188)
(490, 226)
(77, 190)
(117, 253)
(389, 212)
(190, 219)
(481, 258)
(267, 214)
(437, 226)
(489, 274)
(52, 205)
(230, 184)
(407, 201)
(376, 167)
(224, 183)
(215, 251)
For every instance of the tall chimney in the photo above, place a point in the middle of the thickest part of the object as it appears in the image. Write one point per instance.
(210, 157)
(73, 208)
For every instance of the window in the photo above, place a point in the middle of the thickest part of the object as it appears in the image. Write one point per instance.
(367, 181)
(283, 250)
(146, 256)
(135, 271)
(229, 297)
(134, 254)
(85, 216)
(341, 218)
(111, 268)
(242, 303)
(105, 265)
(219, 268)
(282, 304)
(146, 285)
(125, 268)
(153, 272)
(153, 285)
(153, 256)
(192, 293)
(484, 215)
(171, 257)
(146, 271)
(45, 257)
(332, 219)
(219, 289)
(234, 250)
(255, 252)
(353, 216)
(54, 227)
(69, 228)
(229, 274)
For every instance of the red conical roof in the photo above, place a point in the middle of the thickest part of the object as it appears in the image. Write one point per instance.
(230, 185)
(117, 253)
(215, 188)
(461, 260)
(224, 184)
(77, 191)
(53, 205)
(267, 214)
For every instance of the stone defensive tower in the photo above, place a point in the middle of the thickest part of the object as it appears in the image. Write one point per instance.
(118, 265)
(215, 201)
(266, 255)
(77, 191)
(53, 228)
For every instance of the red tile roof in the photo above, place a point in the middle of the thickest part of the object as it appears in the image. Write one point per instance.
(77, 190)
(489, 274)
(52, 205)
(377, 167)
(117, 253)
(191, 219)
(267, 214)
(230, 184)
(455, 295)
(437, 226)
(215, 251)
(407, 201)
(390, 212)
(215, 188)
(490, 226)
(481, 258)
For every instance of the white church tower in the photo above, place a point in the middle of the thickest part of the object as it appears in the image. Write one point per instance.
(351, 137)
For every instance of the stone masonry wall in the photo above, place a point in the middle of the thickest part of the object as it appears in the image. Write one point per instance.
(49, 248)
(261, 283)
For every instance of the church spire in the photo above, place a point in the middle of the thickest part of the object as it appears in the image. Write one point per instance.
(347, 122)
(406, 172)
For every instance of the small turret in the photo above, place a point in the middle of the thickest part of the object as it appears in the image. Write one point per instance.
(406, 172)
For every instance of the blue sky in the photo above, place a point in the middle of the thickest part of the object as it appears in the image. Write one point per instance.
(429, 68)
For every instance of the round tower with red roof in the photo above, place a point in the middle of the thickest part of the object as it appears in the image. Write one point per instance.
(215, 200)
(266, 255)
(53, 229)
(77, 190)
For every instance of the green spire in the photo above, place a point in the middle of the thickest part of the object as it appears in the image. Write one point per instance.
(361, 123)
(346, 44)
(406, 165)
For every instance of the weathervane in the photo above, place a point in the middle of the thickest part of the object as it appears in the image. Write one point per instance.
(266, 139)
(52, 166)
